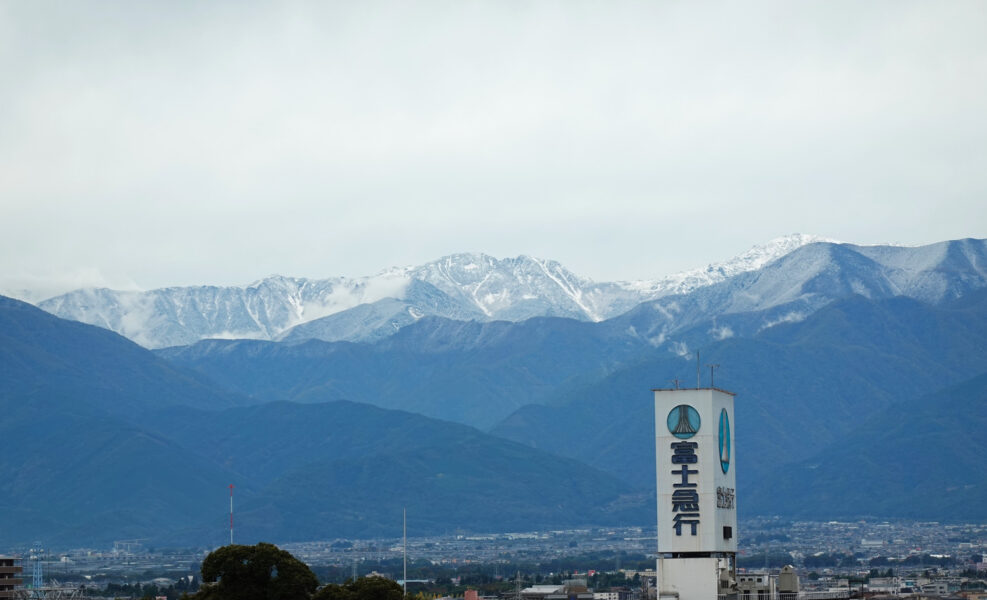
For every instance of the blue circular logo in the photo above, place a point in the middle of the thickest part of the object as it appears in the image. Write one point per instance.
(683, 421)
(724, 441)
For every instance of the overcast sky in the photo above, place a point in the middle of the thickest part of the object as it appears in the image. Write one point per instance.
(145, 144)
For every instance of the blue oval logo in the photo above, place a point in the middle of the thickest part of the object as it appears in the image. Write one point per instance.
(724, 441)
(683, 421)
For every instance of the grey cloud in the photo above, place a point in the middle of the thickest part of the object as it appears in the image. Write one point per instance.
(191, 142)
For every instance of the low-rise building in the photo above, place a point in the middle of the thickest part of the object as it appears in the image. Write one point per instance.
(10, 578)
(573, 589)
(939, 588)
(755, 586)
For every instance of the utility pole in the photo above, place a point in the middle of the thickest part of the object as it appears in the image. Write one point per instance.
(405, 582)
(231, 514)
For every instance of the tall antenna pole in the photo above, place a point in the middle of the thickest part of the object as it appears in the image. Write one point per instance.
(405, 582)
(698, 384)
(711, 369)
(231, 514)
(38, 578)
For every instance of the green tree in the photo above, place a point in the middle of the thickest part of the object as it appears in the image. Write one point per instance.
(365, 588)
(261, 572)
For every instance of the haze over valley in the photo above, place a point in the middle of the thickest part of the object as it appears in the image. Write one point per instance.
(533, 415)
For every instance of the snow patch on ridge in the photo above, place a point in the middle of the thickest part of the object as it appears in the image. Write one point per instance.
(791, 317)
(681, 349)
(236, 335)
(751, 260)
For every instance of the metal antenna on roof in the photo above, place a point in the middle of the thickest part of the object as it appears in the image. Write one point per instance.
(698, 383)
(712, 368)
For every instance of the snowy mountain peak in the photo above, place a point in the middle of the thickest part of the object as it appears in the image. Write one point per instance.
(762, 254)
(276, 280)
(751, 260)
(457, 286)
(509, 288)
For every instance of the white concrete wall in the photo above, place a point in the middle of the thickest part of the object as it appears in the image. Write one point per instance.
(690, 578)
(709, 404)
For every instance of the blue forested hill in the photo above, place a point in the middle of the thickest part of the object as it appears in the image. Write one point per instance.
(801, 387)
(348, 469)
(72, 474)
(920, 459)
(101, 440)
(802, 383)
(44, 355)
(468, 372)
(76, 476)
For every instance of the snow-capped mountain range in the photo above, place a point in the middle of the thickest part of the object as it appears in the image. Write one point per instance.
(483, 288)
(460, 286)
(797, 284)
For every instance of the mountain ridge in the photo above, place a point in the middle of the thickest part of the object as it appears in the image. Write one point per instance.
(462, 286)
(477, 372)
(801, 282)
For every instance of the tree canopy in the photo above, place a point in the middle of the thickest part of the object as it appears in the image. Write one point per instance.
(365, 588)
(261, 572)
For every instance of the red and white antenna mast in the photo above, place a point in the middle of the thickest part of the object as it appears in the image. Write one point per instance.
(231, 514)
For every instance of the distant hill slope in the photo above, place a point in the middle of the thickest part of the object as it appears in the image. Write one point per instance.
(42, 356)
(801, 386)
(468, 372)
(346, 469)
(377, 320)
(76, 465)
(920, 459)
(99, 442)
(72, 474)
(481, 486)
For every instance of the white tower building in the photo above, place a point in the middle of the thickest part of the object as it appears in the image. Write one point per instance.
(697, 475)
